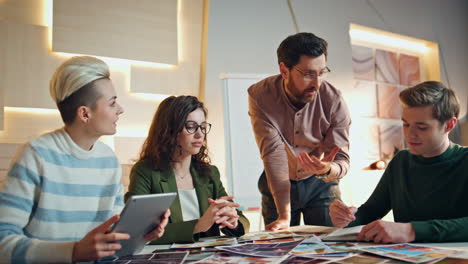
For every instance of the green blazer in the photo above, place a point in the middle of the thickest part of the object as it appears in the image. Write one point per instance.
(144, 179)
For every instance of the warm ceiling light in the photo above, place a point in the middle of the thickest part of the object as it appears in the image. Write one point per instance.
(47, 20)
(121, 62)
(47, 7)
(387, 40)
(179, 31)
(32, 110)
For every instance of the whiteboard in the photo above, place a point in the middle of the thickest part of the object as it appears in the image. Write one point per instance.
(243, 162)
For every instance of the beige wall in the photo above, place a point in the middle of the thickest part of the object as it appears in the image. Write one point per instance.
(144, 30)
(27, 63)
(24, 11)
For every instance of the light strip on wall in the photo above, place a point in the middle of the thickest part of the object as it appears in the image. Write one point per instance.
(47, 19)
(150, 97)
(47, 8)
(32, 110)
(383, 39)
(179, 32)
(122, 62)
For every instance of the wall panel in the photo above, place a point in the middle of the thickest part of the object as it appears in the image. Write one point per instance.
(144, 30)
(23, 11)
(27, 65)
(185, 77)
(2, 88)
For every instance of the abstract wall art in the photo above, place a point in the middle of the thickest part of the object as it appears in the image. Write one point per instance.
(363, 63)
(409, 70)
(386, 63)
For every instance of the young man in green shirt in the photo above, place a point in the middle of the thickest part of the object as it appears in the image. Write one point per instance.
(425, 185)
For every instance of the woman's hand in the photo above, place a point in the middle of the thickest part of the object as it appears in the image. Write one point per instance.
(158, 231)
(227, 216)
(220, 212)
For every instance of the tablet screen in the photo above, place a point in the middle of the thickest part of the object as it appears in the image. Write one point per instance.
(141, 214)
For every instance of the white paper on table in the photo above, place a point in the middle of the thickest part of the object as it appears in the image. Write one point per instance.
(344, 234)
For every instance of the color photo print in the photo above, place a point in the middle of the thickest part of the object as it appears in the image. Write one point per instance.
(163, 258)
(412, 253)
(262, 249)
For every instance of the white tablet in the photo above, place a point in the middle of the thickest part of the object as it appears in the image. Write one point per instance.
(141, 214)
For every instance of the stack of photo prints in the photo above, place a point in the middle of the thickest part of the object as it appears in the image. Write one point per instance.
(295, 246)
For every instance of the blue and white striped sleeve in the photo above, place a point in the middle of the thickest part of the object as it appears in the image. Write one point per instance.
(18, 201)
(119, 200)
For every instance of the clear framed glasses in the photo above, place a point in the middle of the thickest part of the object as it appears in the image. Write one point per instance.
(192, 127)
(308, 76)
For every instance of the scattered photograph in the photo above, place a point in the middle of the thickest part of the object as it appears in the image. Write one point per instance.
(262, 249)
(160, 257)
(361, 259)
(309, 249)
(345, 246)
(411, 253)
(212, 242)
(299, 259)
(227, 258)
(286, 239)
(265, 235)
(452, 261)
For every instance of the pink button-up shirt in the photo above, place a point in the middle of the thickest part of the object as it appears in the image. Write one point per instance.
(282, 131)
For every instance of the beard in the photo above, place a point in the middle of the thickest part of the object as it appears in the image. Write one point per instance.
(307, 96)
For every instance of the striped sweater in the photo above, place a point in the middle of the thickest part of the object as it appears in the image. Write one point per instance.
(55, 193)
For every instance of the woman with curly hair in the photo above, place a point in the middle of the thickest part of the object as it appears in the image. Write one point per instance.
(174, 158)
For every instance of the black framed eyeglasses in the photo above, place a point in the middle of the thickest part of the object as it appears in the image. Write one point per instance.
(192, 127)
(313, 75)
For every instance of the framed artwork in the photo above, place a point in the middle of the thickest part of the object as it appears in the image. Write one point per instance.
(386, 65)
(379, 76)
(365, 92)
(409, 70)
(363, 63)
(388, 101)
(391, 140)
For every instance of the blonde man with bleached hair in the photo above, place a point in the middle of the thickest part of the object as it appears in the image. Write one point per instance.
(63, 190)
(426, 184)
(73, 82)
(74, 74)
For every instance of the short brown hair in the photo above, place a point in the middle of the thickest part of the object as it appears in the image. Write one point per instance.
(444, 101)
(293, 47)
